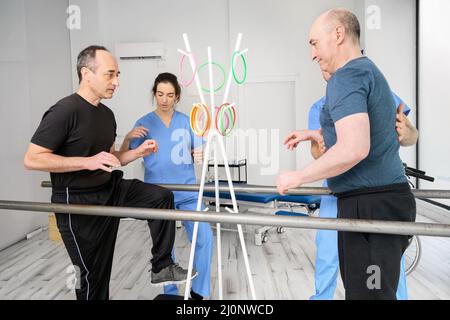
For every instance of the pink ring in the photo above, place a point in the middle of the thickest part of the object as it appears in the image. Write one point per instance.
(182, 82)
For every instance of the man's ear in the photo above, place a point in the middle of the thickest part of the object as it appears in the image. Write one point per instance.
(85, 73)
(340, 34)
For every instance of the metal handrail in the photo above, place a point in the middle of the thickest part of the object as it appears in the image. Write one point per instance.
(350, 225)
(310, 191)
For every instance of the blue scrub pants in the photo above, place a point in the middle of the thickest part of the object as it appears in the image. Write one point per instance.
(327, 259)
(203, 248)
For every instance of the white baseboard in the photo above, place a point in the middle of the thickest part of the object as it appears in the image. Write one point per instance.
(35, 232)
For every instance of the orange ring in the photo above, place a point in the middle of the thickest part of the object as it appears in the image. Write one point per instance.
(193, 119)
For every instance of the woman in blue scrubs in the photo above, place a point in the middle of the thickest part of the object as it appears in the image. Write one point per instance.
(174, 164)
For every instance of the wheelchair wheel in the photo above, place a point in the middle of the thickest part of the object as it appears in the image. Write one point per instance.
(412, 254)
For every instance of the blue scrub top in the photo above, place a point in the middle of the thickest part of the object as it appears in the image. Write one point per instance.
(173, 163)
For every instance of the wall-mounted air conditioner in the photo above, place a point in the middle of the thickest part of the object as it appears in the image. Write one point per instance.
(140, 50)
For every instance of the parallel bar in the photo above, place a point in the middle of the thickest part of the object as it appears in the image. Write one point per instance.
(305, 191)
(249, 189)
(369, 226)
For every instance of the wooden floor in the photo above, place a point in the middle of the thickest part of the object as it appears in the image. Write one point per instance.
(283, 268)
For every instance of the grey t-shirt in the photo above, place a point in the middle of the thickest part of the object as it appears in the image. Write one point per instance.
(360, 87)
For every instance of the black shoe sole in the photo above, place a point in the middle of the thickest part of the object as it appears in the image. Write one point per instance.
(164, 283)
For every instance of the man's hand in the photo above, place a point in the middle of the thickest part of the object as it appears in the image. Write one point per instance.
(139, 132)
(103, 161)
(288, 180)
(147, 147)
(296, 137)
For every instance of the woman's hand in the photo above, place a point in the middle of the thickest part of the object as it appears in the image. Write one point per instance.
(138, 132)
(318, 146)
(293, 139)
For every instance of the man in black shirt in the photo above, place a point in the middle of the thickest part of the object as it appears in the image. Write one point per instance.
(75, 143)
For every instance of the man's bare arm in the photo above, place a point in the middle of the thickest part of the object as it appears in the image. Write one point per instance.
(352, 146)
(126, 156)
(43, 159)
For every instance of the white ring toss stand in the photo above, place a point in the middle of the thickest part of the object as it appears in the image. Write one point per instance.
(215, 144)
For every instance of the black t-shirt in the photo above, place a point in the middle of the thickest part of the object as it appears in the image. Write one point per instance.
(75, 128)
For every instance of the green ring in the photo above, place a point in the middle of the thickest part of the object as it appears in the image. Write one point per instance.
(232, 68)
(231, 122)
(222, 127)
(223, 73)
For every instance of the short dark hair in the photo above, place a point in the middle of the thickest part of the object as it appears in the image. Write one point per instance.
(349, 21)
(86, 58)
(167, 77)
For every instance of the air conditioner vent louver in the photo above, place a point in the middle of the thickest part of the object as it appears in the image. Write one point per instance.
(142, 58)
(140, 51)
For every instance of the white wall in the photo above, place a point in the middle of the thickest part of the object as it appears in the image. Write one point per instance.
(34, 74)
(393, 48)
(108, 22)
(38, 56)
(434, 95)
(276, 35)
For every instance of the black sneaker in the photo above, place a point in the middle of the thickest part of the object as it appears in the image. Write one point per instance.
(172, 274)
(195, 296)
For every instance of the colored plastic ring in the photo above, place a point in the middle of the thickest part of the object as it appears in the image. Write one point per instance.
(194, 119)
(233, 71)
(223, 73)
(183, 83)
(228, 112)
